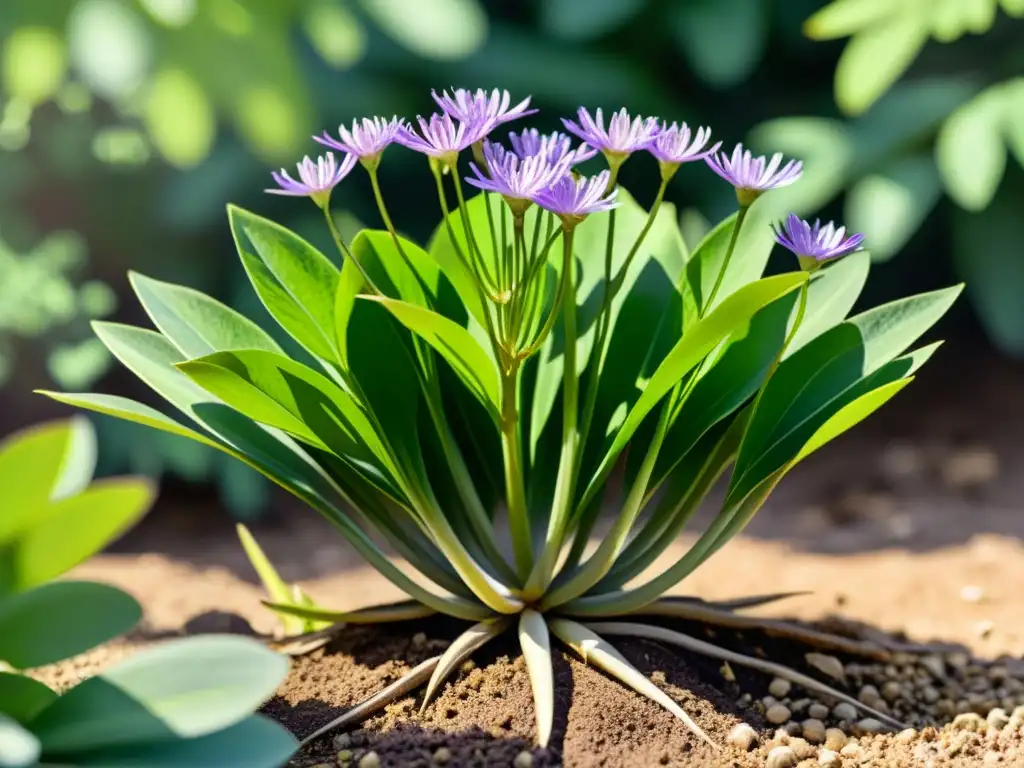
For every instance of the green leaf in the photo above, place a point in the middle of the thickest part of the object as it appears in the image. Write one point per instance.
(985, 252)
(696, 344)
(79, 459)
(278, 590)
(970, 151)
(850, 415)
(295, 281)
(256, 742)
(184, 688)
(444, 30)
(76, 528)
(60, 620)
(22, 698)
(889, 207)
(18, 747)
(30, 468)
(468, 359)
(724, 40)
(876, 57)
(195, 323)
(831, 295)
(842, 18)
(563, 19)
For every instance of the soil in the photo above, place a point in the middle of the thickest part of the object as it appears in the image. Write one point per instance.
(911, 526)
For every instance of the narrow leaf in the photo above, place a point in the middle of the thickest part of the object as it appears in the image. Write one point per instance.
(277, 588)
(461, 649)
(22, 698)
(536, 645)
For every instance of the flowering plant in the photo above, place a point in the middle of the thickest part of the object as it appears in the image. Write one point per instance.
(550, 323)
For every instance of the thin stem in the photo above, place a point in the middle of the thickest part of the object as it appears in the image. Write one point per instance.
(515, 486)
(490, 221)
(345, 252)
(471, 242)
(389, 225)
(565, 484)
(740, 216)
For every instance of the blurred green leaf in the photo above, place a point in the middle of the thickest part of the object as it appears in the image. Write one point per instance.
(86, 614)
(78, 527)
(987, 254)
(723, 40)
(970, 152)
(874, 59)
(267, 119)
(33, 63)
(79, 462)
(30, 467)
(256, 742)
(109, 46)
(182, 689)
(566, 18)
(18, 747)
(22, 698)
(179, 118)
(1013, 8)
(78, 365)
(843, 18)
(1013, 118)
(434, 29)
(336, 33)
(888, 207)
(171, 13)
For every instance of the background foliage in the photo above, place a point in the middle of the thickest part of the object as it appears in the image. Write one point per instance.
(126, 125)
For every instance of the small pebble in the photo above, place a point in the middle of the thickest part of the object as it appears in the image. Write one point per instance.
(344, 756)
(828, 665)
(853, 750)
(813, 730)
(906, 736)
(742, 736)
(835, 739)
(818, 711)
(969, 721)
(369, 760)
(802, 749)
(342, 741)
(844, 711)
(792, 728)
(972, 593)
(779, 688)
(869, 695)
(891, 690)
(419, 640)
(523, 760)
(442, 755)
(781, 757)
(935, 665)
(983, 629)
(777, 714)
(869, 725)
(829, 759)
(998, 718)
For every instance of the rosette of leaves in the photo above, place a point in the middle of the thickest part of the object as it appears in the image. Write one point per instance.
(418, 423)
(182, 704)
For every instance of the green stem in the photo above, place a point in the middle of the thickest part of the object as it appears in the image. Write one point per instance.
(565, 484)
(389, 225)
(471, 242)
(515, 487)
(345, 252)
(741, 215)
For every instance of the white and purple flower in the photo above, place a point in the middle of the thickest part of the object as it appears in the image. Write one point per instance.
(814, 244)
(438, 137)
(676, 144)
(481, 111)
(622, 136)
(575, 198)
(517, 179)
(316, 179)
(554, 146)
(751, 175)
(366, 139)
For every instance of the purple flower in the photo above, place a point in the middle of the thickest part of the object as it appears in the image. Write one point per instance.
(573, 199)
(554, 146)
(815, 244)
(438, 137)
(622, 136)
(516, 179)
(675, 144)
(366, 139)
(316, 180)
(484, 111)
(753, 175)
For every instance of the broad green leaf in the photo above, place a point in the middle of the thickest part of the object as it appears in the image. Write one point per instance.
(889, 207)
(60, 620)
(182, 689)
(875, 58)
(79, 459)
(850, 415)
(970, 151)
(255, 742)
(295, 281)
(696, 343)
(76, 528)
(18, 747)
(276, 390)
(377, 252)
(468, 359)
(22, 698)
(830, 297)
(195, 323)
(30, 468)
(443, 30)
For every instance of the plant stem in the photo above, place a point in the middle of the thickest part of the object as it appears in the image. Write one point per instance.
(471, 242)
(565, 484)
(345, 252)
(389, 225)
(740, 217)
(515, 487)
